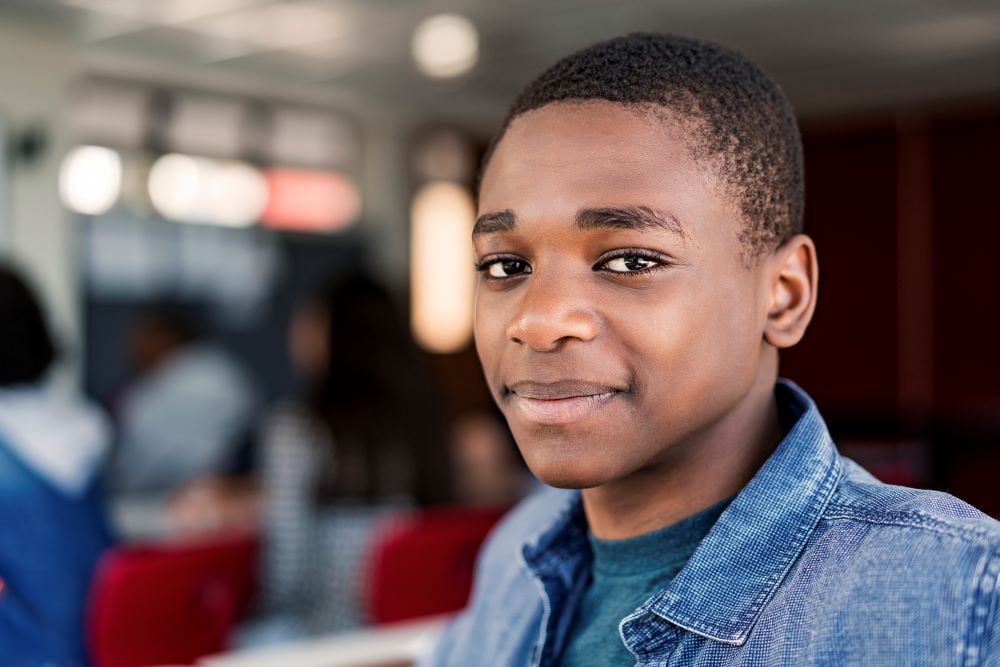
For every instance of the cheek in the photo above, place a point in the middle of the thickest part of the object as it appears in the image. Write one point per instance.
(696, 346)
(489, 337)
(738, 329)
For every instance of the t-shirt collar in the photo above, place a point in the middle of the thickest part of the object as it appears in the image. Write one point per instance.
(750, 549)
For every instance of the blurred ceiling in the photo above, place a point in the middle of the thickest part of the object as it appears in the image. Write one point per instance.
(831, 56)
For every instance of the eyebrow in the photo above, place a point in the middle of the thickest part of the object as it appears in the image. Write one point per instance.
(629, 217)
(491, 223)
(605, 217)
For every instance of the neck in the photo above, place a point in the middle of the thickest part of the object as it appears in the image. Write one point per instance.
(708, 467)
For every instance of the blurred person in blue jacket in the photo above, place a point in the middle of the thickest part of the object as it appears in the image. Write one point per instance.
(52, 447)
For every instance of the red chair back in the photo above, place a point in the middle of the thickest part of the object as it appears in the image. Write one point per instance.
(170, 603)
(425, 566)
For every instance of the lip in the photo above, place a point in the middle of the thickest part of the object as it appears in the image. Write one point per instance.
(563, 401)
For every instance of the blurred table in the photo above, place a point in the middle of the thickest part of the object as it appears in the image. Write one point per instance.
(395, 644)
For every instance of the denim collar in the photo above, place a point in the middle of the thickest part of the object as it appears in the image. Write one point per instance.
(562, 543)
(744, 558)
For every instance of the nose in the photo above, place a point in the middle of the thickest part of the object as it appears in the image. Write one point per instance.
(551, 313)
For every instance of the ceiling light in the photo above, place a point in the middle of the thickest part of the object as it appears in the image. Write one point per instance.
(445, 45)
(197, 189)
(441, 281)
(174, 184)
(90, 179)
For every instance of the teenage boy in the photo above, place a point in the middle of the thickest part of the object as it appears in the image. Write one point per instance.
(641, 266)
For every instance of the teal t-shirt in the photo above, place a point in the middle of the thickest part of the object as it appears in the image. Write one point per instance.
(624, 574)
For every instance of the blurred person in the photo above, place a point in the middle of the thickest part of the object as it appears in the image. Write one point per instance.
(641, 266)
(364, 445)
(52, 521)
(488, 470)
(183, 422)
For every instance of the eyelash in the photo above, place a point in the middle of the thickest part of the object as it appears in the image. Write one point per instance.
(661, 262)
(484, 265)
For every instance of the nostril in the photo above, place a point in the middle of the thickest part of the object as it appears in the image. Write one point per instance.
(519, 337)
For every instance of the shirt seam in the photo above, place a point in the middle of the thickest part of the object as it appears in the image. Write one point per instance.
(912, 519)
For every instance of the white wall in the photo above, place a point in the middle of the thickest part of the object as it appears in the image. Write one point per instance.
(36, 65)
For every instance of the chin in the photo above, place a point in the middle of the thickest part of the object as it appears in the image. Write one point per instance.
(569, 474)
(571, 459)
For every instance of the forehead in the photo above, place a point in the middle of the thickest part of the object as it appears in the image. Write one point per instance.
(562, 157)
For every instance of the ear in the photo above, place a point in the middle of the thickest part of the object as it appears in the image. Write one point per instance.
(793, 276)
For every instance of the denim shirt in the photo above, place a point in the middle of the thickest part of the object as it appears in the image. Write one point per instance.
(815, 562)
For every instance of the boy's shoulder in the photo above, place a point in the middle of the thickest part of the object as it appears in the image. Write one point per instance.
(862, 499)
(898, 571)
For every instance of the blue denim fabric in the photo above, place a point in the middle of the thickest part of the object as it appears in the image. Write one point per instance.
(50, 544)
(815, 562)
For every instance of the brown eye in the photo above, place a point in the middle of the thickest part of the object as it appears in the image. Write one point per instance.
(629, 264)
(505, 268)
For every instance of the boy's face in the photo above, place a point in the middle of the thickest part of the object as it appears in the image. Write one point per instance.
(616, 320)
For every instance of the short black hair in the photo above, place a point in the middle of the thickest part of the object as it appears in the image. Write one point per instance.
(744, 126)
(26, 346)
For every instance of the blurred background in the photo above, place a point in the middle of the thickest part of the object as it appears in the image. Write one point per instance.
(200, 191)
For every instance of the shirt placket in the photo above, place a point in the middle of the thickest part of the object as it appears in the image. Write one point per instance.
(560, 576)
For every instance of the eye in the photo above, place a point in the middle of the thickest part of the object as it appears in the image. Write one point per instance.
(631, 262)
(503, 267)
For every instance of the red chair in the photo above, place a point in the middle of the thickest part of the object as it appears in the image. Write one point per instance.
(425, 566)
(169, 603)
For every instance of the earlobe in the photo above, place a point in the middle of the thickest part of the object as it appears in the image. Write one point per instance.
(793, 275)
